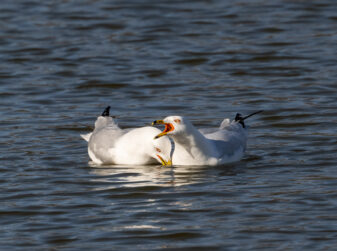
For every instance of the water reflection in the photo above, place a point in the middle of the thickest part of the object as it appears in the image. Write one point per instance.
(117, 176)
(149, 59)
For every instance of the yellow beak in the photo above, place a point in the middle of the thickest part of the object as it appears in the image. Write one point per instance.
(165, 163)
(158, 122)
(168, 127)
(160, 135)
(168, 163)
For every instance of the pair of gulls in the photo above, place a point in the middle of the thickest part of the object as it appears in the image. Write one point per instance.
(109, 144)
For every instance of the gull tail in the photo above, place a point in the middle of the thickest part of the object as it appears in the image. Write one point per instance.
(106, 113)
(240, 119)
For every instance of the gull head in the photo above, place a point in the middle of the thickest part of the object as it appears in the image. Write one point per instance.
(162, 151)
(173, 125)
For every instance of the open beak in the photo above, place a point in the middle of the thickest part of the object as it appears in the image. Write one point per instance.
(163, 162)
(168, 128)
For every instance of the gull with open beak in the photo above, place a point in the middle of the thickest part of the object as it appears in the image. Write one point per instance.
(109, 144)
(215, 146)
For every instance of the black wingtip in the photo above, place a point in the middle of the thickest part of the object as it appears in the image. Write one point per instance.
(252, 114)
(106, 112)
(240, 119)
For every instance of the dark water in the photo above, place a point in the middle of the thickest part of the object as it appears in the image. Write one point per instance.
(62, 62)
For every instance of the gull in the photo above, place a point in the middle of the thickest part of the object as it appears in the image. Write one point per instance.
(109, 144)
(211, 147)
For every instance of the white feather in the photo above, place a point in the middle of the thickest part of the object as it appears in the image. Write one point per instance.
(109, 144)
(87, 136)
(215, 146)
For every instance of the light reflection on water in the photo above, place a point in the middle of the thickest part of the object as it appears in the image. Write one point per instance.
(142, 176)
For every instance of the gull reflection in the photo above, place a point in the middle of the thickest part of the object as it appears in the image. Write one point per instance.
(116, 176)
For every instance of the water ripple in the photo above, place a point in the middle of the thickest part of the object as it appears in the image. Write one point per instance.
(63, 62)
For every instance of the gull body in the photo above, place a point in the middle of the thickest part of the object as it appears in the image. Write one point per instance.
(212, 147)
(109, 144)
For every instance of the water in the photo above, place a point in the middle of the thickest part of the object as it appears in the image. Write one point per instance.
(62, 62)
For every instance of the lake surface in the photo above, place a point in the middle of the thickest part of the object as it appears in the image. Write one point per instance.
(63, 62)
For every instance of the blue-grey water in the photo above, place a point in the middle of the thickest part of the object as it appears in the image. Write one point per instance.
(63, 62)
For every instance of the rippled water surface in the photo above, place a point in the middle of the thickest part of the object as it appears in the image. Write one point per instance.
(62, 62)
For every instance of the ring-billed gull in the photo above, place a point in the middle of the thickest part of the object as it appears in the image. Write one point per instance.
(109, 144)
(205, 147)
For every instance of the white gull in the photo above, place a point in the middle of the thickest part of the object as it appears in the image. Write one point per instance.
(109, 144)
(212, 147)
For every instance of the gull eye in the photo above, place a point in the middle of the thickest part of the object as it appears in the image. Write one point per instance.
(177, 121)
(158, 150)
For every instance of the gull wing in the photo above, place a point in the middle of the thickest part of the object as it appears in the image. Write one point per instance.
(229, 141)
(87, 136)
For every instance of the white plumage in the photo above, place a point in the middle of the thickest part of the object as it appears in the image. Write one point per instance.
(109, 144)
(208, 146)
